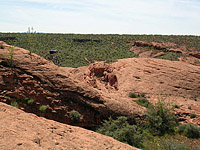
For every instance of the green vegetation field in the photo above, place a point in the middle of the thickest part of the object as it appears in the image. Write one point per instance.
(73, 48)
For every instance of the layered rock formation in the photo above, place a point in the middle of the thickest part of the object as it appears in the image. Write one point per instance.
(31, 76)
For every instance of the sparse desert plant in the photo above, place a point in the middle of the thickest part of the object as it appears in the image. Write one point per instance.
(1, 46)
(32, 40)
(159, 119)
(143, 102)
(192, 115)
(30, 101)
(10, 56)
(122, 131)
(75, 116)
(43, 108)
(25, 101)
(176, 106)
(189, 130)
(170, 56)
(142, 95)
(133, 95)
(14, 104)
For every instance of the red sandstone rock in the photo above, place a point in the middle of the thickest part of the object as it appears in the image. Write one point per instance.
(142, 44)
(195, 54)
(158, 54)
(158, 46)
(86, 89)
(146, 54)
(25, 131)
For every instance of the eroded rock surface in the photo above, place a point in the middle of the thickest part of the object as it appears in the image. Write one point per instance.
(33, 77)
(99, 90)
(26, 131)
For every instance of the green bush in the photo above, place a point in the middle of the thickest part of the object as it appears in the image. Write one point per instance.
(1, 46)
(43, 108)
(159, 119)
(143, 102)
(133, 95)
(122, 131)
(170, 56)
(192, 115)
(176, 106)
(30, 101)
(14, 104)
(189, 130)
(26, 100)
(75, 116)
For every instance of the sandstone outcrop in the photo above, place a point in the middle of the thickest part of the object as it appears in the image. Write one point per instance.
(154, 49)
(26, 131)
(96, 91)
(195, 54)
(33, 77)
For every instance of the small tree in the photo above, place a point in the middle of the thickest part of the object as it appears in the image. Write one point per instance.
(32, 40)
(122, 131)
(159, 118)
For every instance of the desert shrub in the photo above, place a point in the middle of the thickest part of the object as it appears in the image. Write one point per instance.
(26, 100)
(122, 131)
(30, 101)
(192, 115)
(172, 145)
(43, 108)
(14, 104)
(142, 95)
(159, 119)
(176, 106)
(189, 130)
(75, 116)
(170, 56)
(1, 46)
(10, 56)
(143, 102)
(133, 95)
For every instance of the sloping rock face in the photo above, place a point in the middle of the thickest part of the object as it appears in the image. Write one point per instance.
(195, 54)
(26, 131)
(32, 77)
(174, 81)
